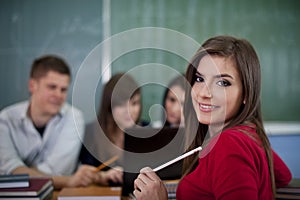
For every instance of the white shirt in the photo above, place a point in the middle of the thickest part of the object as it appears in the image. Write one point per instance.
(56, 153)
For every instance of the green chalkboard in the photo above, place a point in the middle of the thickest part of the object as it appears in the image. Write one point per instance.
(73, 28)
(31, 28)
(272, 26)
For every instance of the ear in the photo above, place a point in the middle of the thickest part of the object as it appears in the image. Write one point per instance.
(244, 102)
(31, 85)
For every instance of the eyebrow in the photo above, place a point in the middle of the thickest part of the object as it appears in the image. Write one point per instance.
(217, 76)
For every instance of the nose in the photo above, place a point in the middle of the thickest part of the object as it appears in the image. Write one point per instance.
(202, 91)
(59, 93)
(176, 106)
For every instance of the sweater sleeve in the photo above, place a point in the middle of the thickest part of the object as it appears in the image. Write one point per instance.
(282, 173)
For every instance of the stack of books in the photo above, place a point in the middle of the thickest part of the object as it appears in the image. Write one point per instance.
(171, 186)
(14, 181)
(291, 191)
(23, 187)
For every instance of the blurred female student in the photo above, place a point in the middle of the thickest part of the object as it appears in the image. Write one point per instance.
(173, 102)
(120, 109)
(223, 111)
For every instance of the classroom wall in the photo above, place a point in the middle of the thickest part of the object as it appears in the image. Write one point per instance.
(271, 26)
(31, 28)
(74, 28)
(287, 147)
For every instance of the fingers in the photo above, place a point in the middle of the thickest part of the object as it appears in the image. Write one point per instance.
(114, 175)
(147, 171)
(84, 176)
(149, 186)
(140, 183)
(144, 178)
(87, 171)
(88, 174)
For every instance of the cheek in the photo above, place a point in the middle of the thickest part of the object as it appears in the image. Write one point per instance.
(168, 106)
(116, 112)
(134, 111)
(47, 97)
(64, 95)
(194, 99)
(233, 105)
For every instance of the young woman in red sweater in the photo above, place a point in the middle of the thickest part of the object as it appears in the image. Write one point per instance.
(223, 115)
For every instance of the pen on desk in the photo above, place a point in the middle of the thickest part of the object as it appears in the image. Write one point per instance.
(177, 159)
(106, 163)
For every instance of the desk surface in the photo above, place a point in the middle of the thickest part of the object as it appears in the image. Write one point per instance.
(88, 191)
(292, 191)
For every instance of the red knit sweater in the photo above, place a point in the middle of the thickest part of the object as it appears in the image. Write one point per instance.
(235, 167)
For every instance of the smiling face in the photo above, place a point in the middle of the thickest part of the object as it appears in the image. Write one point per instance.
(174, 105)
(127, 113)
(217, 92)
(49, 93)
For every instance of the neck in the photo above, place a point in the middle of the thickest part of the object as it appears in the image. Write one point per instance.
(215, 129)
(39, 119)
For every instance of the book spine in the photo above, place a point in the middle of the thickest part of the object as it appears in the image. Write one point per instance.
(14, 178)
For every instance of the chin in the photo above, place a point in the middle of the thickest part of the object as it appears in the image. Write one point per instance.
(54, 111)
(203, 120)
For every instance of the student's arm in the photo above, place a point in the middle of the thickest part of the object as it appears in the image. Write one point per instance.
(27, 170)
(282, 173)
(9, 157)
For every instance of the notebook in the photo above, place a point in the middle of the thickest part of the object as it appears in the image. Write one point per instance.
(39, 188)
(146, 146)
(90, 193)
(14, 180)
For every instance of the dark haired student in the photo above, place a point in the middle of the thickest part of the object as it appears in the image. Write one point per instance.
(120, 108)
(223, 115)
(173, 100)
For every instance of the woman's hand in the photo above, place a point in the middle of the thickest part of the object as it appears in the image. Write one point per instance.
(84, 176)
(114, 175)
(149, 186)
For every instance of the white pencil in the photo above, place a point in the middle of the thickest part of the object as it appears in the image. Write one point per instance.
(177, 159)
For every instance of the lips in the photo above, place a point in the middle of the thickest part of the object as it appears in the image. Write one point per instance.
(207, 107)
(56, 102)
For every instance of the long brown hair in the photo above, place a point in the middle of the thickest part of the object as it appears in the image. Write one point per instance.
(124, 87)
(248, 67)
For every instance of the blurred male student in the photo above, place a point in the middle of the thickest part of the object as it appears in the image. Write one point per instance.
(40, 136)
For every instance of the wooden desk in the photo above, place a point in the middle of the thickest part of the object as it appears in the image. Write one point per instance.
(55, 194)
(87, 191)
(282, 193)
(95, 190)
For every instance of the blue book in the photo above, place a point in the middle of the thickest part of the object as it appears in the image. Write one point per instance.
(14, 181)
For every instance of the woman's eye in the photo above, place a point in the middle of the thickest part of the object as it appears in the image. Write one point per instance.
(199, 79)
(224, 83)
(134, 103)
(171, 99)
